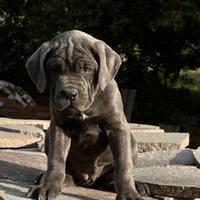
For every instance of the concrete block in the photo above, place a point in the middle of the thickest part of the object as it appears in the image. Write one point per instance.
(15, 140)
(43, 124)
(17, 190)
(143, 126)
(147, 131)
(23, 129)
(197, 157)
(22, 165)
(171, 181)
(161, 141)
(164, 158)
(16, 136)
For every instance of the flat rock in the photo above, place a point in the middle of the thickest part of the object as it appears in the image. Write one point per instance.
(28, 162)
(11, 190)
(22, 165)
(160, 141)
(43, 124)
(147, 130)
(17, 190)
(164, 158)
(16, 136)
(143, 126)
(171, 181)
(23, 129)
(15, 140)
(197, 157)
(20, 169)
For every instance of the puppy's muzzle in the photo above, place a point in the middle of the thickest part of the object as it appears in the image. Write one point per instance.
(70, 94)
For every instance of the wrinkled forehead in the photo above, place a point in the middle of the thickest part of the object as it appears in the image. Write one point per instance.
(73, 50)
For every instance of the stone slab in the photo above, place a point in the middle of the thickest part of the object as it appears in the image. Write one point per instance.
(147, 131)
(164, 158)
(17, 136)
(15, 140)
(20, 169)
(43, 124)
(23, 129)
(17, 190)
(171, 181)
(160, 141)
(197, 157)
(143, 126)
(22, 165)
(11, 160)
(29, 149)
(12, 190)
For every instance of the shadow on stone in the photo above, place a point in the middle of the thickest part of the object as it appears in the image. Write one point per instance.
(183, 157)
(11, 188)
(13, 171)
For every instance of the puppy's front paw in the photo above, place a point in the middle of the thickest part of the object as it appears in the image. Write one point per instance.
(44, 191)
(127, 191)
(142, 189)
(129, 195)
(46, 188)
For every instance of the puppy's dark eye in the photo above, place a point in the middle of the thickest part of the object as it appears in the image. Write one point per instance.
(55, 67)
(87, 68)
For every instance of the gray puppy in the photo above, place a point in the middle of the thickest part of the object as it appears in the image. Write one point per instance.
(87, 118)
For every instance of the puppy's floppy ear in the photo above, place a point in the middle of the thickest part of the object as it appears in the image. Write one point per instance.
(35, 66)
(109, 63)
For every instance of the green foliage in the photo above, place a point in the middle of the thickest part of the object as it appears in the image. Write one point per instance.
(189, 79)
(155, 38)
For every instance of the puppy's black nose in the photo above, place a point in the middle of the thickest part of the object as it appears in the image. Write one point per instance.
(70, 94)
(73, 94)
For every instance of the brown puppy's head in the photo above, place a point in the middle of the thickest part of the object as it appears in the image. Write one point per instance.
(74, 65)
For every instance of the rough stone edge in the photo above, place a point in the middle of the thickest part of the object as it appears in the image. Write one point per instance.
(43, 124)
(171, 191)
(196, 153)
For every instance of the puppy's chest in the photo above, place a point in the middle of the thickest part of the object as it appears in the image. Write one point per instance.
(87, 146)
(86, 136)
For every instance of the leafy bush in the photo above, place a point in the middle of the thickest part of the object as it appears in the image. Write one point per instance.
(155, 38)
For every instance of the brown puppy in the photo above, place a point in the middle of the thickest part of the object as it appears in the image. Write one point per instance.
(87, 118)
